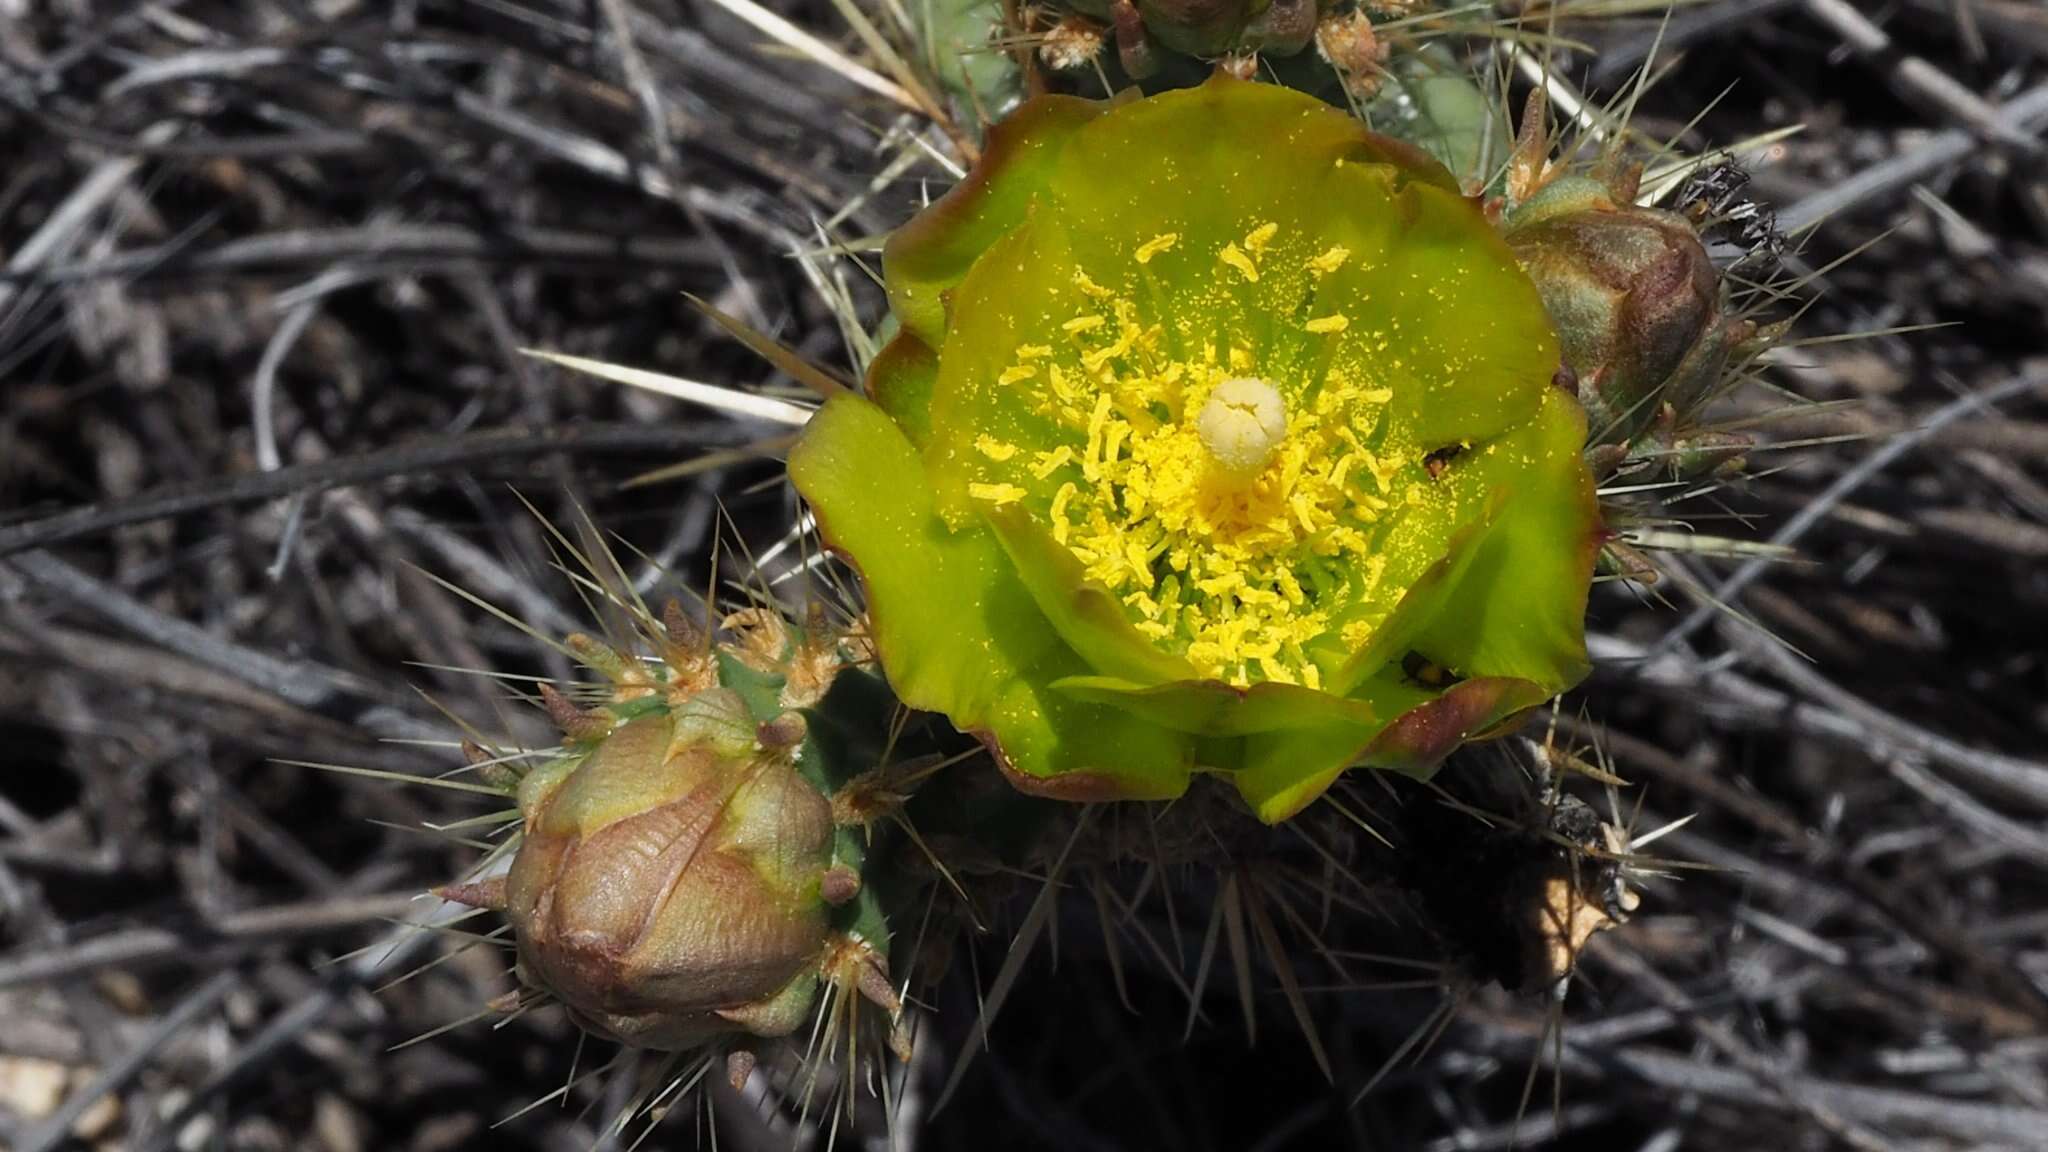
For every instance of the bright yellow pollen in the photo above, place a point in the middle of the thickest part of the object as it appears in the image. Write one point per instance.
(1235, 258)
(1016, 374)
(1047, 463)
(1156, 245)
(1232, 494)
(997, 494)
(1331, 259)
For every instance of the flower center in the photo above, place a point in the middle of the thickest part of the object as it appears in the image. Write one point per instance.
(1242, 425)
(1222, 456)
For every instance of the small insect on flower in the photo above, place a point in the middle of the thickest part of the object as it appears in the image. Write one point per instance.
(1206, 409)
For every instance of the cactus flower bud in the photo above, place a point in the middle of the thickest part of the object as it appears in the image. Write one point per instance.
(667, 890)
(1639, 306)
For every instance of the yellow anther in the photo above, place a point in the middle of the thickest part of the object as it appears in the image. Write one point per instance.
(993, 448)
(1163, 242)
(1242, 424)
(1048, 463)
(1015, 374)
(1112, 440)
(1331, 259)
(1060, 500)
(1261, 236)
(1323, 325)
(1081, 324)
(1235, 258)
(1091, 455)
(996, 494)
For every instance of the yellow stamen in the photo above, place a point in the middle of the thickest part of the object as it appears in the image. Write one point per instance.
(1331, 259)
(1163, 242)
(1235, 258)
(997, 494)
(1051, 462)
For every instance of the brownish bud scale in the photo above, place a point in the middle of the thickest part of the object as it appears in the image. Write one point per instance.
(667, 890)
(1639, 307)
(576, 723)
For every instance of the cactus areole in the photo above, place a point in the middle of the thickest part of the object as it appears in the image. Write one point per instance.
(1220, 435)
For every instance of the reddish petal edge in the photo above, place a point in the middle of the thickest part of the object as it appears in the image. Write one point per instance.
(1419, 739)
(1073, 787)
